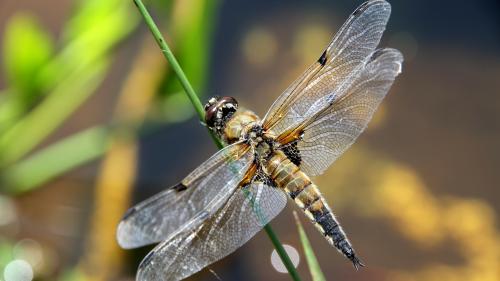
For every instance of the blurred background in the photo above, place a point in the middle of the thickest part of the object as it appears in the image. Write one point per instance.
(92, 120)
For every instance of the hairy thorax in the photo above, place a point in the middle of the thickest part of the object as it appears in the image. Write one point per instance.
(239, 125)
(245, 125)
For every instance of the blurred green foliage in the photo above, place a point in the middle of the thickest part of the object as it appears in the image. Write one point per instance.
(49, 81)
(49, 78)
(45, 87)
(192, 27)
(43, 166)
(72, 275)
(6, 252)
(67, 78)
(27, 49)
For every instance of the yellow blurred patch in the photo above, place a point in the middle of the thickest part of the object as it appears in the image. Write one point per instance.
(259, 47)
(310, 41)
(378, 187)
(406, 201)
(379, 118)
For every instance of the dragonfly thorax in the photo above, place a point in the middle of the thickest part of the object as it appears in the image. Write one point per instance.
(262, 144)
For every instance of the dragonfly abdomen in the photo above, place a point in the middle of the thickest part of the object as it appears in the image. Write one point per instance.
(309, 199)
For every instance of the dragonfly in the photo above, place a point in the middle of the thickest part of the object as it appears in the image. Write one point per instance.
(266, 162)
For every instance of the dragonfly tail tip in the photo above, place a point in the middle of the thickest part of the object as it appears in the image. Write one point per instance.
(357, 263)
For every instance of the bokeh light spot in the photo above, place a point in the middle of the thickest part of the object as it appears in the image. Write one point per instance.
(30, 251)
(278, 264)
(18, 270)
(306, 40)
(259, 47)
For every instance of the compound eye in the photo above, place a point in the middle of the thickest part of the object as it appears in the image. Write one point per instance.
(211, 102)
(229, 101)
(210, 116)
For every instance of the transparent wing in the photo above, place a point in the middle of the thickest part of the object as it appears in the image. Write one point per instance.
(245, 213)
(328, 78)
(331, 132)
(188, 204)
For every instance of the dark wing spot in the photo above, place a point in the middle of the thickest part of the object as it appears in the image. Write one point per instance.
(376, 54)
(129, 212)
(180, 187)
(359, 9)
(322, 59)
(362, 7)
(147, 259)
(292, 153)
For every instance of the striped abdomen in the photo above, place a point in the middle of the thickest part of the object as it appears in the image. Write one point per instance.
(308, 197)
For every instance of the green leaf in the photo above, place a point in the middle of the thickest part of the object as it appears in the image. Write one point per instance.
(10, 108)
(51, 113)
(312, 262)
(27, 48)
(96, 27)
(54, 160)
(70, 76)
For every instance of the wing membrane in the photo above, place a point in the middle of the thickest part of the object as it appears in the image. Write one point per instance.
(244, 214)
(328, 78)
(332, 131)
(188, 204)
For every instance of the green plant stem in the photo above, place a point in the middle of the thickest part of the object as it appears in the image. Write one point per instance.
(175, 67)
(312, 261)
(201, 113)
(282, 253)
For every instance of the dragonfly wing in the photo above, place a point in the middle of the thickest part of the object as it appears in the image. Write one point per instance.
(328, 78)
(331, 132)
(186, 205)
(245, 213)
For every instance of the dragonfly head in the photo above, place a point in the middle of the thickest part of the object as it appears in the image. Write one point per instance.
(218, 111)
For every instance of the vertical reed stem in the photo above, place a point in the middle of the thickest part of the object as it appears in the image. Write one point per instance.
(201, 114)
